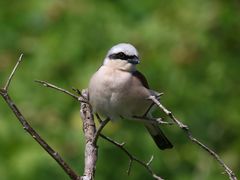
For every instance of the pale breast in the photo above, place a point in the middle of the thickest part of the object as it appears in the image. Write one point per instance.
(113, 93)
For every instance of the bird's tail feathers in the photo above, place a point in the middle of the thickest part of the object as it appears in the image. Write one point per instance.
(158, 136)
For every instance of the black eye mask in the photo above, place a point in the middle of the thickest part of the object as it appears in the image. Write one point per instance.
(122, 56)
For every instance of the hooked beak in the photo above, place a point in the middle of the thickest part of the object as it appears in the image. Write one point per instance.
(134, 60)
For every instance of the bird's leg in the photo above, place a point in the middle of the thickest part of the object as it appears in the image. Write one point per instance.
(98, 118)
(100, 128)
(158, 95)
(148, 110)
(147, 119)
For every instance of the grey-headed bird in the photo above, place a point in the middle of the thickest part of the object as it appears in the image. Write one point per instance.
(117, 90)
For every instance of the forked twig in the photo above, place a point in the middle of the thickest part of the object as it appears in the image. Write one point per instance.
(133, 158)
(185, 128)
(30, 130)
(88, 128)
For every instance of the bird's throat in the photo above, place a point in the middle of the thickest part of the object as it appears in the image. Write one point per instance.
(121, 65)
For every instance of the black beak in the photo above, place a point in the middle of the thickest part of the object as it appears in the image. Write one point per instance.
(134, 60)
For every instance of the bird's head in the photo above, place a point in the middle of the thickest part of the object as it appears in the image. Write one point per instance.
(122, 56)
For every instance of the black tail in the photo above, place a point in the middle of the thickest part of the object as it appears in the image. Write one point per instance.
(160, 139)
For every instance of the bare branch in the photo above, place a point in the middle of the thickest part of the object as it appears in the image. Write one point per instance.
(12, 73)
(133, 158)
(31, 131)
(77, 91)
(91, 135)
(185, 128)
(146, 119)
(89, 130)
(46, 84)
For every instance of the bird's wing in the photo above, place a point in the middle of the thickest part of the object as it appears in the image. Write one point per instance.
(158, 136)
(141, 78)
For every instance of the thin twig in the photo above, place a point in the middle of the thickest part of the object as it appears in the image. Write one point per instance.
(46, 84)
(77, 91)
(150, 160)
(88, 128)
(12, 73)
(30, 130)
(185, 128)
(133, 158)
(145, 119)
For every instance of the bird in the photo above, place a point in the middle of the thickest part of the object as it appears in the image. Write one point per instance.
(118, 90)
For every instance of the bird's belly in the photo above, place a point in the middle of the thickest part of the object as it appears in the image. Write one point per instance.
(120, 105)
(128, 105)
(116, 99)
(100, 101)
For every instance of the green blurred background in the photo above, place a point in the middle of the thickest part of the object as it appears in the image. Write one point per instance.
(190, 50)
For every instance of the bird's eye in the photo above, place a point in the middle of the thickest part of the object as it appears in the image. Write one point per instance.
(121, 55)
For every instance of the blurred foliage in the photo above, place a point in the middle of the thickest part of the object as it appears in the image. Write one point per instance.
(190, 50)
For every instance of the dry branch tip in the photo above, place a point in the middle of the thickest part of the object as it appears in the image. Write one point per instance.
(132, 158)
(27, 127)
(150, 161)
(185, 128)
(12, 73)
